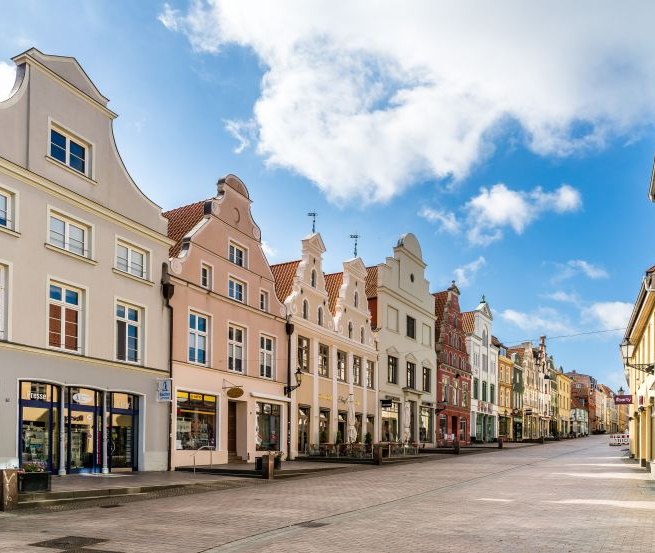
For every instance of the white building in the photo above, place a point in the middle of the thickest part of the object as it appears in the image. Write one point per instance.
(484, 367)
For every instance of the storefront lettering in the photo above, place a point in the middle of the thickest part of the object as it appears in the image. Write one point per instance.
(38, 396)
(81, 398)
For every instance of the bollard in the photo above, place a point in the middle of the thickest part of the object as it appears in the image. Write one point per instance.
(8, 489)
(456, 447)
(377, 454)
(500, 443)
(268, 466)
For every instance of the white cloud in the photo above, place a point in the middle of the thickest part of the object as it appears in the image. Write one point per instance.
(366, 99)
(498, 207)
(575, 267)
(7, 78)
(446, 219)
(269, 250)
(465, 274)
(540, 321)
(564, 297)
(609, 315)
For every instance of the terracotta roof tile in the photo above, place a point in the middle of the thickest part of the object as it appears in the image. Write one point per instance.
(440, 299)
(372, 282)
(284, 273)
(468, 321)
(333, 284)
(180, 221)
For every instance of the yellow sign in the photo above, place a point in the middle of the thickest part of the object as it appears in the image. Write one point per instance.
(234, 392)
(196, 397)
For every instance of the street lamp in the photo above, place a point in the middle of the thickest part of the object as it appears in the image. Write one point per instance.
(298, 375)
(627, 351)
(620, 391)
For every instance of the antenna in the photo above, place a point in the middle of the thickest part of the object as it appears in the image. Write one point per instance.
(313, 215)
(355, 237)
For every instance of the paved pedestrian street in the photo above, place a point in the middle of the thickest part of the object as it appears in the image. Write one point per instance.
(570, 496)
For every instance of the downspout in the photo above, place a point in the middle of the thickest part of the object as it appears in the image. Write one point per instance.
(168, 290)
(289, 329)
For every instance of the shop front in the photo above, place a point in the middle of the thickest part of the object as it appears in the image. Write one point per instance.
(89, 430)
(390, 421)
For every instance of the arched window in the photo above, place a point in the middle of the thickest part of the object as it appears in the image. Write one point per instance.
(305, 310)
(485, 338)
(320, 316)
(350, 330)
(356, 299)
(313, 278)
(361, 335)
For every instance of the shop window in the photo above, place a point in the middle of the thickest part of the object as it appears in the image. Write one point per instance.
(392, 369)
(443, 429)
(426, 429)
(303, 353)
(39, 430)
(341, 365)
(198, 332)
(266, 356)
(196, 420)
(268, 427)
(390, 423)
(357, 371)
(64, 317)
(128, 333)
(323, 360)
(462, 429)
(235, 348)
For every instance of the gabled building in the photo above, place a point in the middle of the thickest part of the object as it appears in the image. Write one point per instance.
(564, 400)
(505, 390)
(483, 356)
(524, 356)
(229, 339)
(402, 310)
(453, 370)
(584, 392)
(332, 344)
(83, 325)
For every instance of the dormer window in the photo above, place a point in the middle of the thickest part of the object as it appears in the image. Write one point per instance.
(70, 150)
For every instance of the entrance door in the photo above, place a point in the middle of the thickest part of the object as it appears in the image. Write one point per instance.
(39, 425)
(122, 432)
(231, 427)
(455, 429)
(303, 429)
(84, 430)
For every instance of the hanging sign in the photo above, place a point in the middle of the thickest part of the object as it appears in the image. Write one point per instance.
(234, 392)
(164, 389)
(622, 400)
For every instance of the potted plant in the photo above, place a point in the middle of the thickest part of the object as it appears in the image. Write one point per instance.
(323, 438)
(338, 438)
(277, 462)
(368, 440)
(33, 477)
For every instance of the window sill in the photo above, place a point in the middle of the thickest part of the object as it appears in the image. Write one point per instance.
(196, 364)
(59, 164)
(64, 350)
(133, 277)
(9, 231)
(70, 254)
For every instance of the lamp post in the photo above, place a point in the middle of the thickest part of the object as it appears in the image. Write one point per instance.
(288, 389)
(627, 351)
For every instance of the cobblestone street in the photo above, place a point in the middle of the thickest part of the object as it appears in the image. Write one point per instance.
(571, 496)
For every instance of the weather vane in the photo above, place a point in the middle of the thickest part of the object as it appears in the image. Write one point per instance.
(313, 215)
(355, 237)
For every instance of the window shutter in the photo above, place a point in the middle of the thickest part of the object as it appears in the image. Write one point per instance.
(71, 329)
(54, 334)
(120, 340)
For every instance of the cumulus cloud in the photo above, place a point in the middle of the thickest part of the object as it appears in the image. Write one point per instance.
(543, 320)
(446, 220)
(576, 267)
(499, 207)
(366, 100)
(465, 274)
(564, 297)
(7, 78)
(269, 250)
(609, 315)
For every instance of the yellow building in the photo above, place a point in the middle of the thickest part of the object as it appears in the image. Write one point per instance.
(638, 352)
(505, 370)
(564, 400)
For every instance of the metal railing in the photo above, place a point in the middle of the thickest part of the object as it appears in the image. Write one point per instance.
(211, 449)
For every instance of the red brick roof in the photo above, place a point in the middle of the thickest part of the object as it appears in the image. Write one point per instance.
(372, 282)
(284, 273)
(180, 221)
(440, 299)
(496, 342)
(333, 284)
(468, 321)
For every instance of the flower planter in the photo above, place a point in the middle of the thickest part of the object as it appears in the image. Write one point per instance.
(34, 481)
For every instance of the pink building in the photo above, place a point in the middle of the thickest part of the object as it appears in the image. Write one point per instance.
(229, 339)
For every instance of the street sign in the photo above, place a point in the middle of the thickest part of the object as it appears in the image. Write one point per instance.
(164, 389)
(622, 400)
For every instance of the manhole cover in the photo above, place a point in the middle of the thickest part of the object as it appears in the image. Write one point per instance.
(68, 542)
(312, 524)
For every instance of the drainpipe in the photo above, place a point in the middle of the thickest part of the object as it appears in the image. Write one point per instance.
(168, 290)
(289, 329)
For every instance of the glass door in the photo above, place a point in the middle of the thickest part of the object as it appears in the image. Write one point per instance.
(303, 429)
(39, 425)
(122, 432)
(84, 430)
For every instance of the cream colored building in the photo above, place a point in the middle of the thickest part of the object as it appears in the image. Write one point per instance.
(229, 339)
(564, 402)
(83, 326)
(402, 311)
(333, 346)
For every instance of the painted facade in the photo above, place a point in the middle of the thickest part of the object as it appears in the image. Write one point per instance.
(402, 311)
(453, 371)
(584, 391)
(229, 338)
(564, 401)
(83, 326)
(333, 346)
(505, 391)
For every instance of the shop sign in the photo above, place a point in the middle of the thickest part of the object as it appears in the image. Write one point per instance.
(386, 403)
(234, 392)
(622, 400)
(82, 398)
(38, 396)
(165, 389)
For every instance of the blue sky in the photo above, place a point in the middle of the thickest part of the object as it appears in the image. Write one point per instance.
(517, 148)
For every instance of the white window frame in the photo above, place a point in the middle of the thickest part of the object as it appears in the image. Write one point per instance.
(264, 301)
(231, 254)
(209, 269)
(267, 354)
(70, 221)
(132, 247)
(244, 289)
(195, 334)
(88, 146)
(12, 211)
(232, 345)
(140, 325)
(81, 309)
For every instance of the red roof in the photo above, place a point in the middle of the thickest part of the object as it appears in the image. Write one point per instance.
(180, 221)
(333, 284)
(440, 299)
(468, 321)
(372, 282)
(284, 273)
